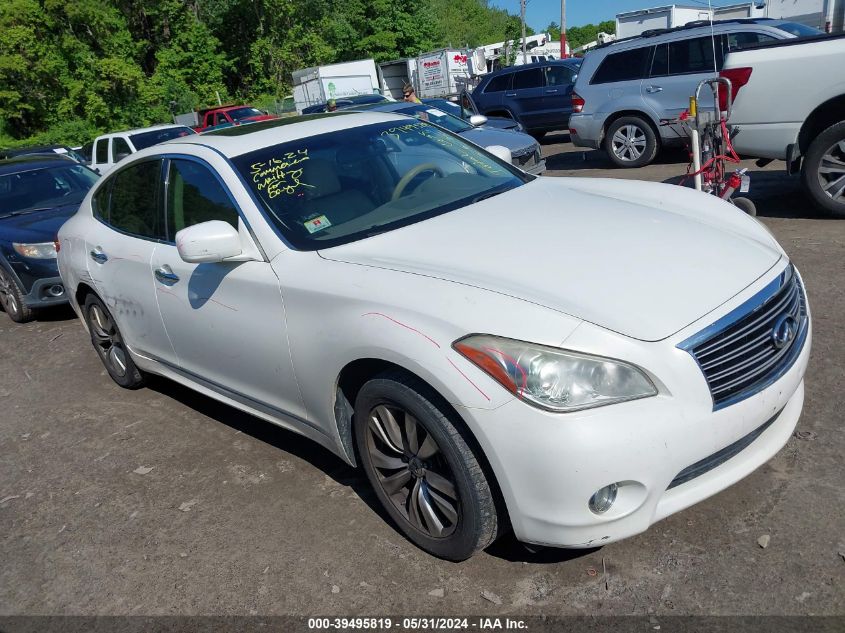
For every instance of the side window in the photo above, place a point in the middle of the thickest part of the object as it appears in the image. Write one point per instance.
(660, 61)
(745, 39)
(135, 207)
(623, 66)
(219, 118)
(100, 202)
(194, 195)
(119, 148)
(559, 76)
(102, 151)
(693, 56)
(532, 78)
(500, 83)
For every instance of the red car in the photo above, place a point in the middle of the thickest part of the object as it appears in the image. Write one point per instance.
(233, 115)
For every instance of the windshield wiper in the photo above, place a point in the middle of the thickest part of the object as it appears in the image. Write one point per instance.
(490, 194)
(26, 212)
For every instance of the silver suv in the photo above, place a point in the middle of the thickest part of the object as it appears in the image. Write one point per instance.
(627, 88)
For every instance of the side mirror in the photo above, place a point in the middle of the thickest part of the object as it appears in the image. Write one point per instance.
(207, 242)
(477, 119)
(500, 151)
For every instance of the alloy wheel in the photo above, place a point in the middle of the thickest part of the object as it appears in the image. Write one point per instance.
(831, 172)
(7, 295)
(412, 471)
(629, 142)
(107, 340)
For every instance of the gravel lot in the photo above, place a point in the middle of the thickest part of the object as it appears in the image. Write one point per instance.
(162, 501)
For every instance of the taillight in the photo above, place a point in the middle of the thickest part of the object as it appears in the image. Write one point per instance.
(577, 102)
(738, 78)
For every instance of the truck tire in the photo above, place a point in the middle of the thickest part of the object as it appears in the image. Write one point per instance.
(823, 172)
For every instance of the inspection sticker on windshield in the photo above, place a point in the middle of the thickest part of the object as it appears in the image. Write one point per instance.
(317, 224)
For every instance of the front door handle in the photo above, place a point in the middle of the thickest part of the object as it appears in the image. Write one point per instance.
(98, 255)
(510, 94)
(165, 275)
(551, 90)
(653, 89)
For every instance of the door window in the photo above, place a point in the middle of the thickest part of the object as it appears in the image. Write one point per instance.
(500, 83)
(103, 151)
(119, 149)
(746, 38)
(623, 66)
(660, 61)
(100, 202)
(195, 195)
(528, 79)
(559, 76)
(693, 56)
(135, 207)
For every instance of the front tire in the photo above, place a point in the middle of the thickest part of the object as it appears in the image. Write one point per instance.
(823, 172)
(630, 142)
(11, 299)
(423, 471)
(108, 342)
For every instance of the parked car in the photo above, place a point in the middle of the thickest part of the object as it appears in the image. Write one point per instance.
(524, 150)
(493, 348)
(468, 111)
(111, 148)
(230, 114)
(626, 89)
(61, 150)
(344, 103)
(539, 96)
(37, 194)
(808, 129)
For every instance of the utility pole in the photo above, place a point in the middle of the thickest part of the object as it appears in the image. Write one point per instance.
(563, 54)
(522, 13)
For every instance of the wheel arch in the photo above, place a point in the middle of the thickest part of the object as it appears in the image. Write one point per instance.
(610, 120)
(828, 113)
(356, 373)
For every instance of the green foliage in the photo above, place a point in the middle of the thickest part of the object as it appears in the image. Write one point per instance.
(580, 35)
(70, 69)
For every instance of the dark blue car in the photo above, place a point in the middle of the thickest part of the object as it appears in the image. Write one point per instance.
(37, 194)
(537, 95)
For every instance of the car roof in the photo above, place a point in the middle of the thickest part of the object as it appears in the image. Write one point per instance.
(33, 161)
(569, 61)
(242, 139)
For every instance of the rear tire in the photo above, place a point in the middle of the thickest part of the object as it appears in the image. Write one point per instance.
(423, 471)
(630, 142)
(745, 205)
(11, 299)
(109, 345)
(823, 172)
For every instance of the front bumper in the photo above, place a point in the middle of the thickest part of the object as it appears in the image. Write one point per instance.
(46, 292)
(666, 452)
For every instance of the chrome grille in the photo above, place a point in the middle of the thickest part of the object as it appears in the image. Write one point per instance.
(755, 344)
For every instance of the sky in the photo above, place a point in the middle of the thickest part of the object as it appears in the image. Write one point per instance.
(539, 13)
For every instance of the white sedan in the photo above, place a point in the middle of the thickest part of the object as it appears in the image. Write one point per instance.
(573, 358)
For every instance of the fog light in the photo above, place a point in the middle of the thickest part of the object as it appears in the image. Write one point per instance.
(56, 290)
(603, 499)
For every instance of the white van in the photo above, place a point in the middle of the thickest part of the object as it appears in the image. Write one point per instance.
(110, 148)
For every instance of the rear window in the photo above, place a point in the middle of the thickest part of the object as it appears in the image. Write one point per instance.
(528, 79)
(693, 56)
(500, 83)
(623, 66)
(798, 30)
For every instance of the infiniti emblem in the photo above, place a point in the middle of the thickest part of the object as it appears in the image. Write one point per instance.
(784, 330)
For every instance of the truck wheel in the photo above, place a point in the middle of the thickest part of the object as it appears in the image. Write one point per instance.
(630, 142)
(823, 172)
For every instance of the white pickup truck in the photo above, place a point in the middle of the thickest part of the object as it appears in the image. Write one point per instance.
(789, 104)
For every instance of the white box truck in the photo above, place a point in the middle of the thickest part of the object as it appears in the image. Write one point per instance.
(632, 23)
(442, 72)
(312, 86)
(395, 74)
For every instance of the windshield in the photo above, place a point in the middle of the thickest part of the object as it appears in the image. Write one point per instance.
(799, 30)
(343, 186)
(244, 113)
(433, 115)
(143, 140)
(45, 188)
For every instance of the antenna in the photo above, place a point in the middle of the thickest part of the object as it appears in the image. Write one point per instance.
(712, 36)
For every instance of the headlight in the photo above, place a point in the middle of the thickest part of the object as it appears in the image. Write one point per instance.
(555, 379)
(42, 250)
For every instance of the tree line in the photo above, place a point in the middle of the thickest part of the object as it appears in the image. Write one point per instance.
(70, 69)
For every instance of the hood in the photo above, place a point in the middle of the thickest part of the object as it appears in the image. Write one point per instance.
(500, 123)
(39, 226)
(631, 267)
(514, 141)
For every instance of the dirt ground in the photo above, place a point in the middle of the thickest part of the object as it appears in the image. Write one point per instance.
(162, 501)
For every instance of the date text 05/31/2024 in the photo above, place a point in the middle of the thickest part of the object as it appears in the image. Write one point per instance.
(417, 624)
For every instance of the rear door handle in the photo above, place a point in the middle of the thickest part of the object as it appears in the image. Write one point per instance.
(653, 89)
(510, 94)
(551, 90)
(166, 275)
(98, 255)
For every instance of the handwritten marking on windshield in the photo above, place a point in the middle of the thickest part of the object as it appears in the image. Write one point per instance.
(275, 175)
